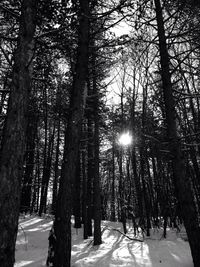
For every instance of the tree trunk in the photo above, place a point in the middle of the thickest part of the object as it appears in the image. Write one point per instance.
(84, 207)
(143, 151)
(45, 156)
(77, 195)
(14, 135)
(60, 236)
(47, 173)
(121, 192)
(113, 183)
(56, 169)
(36, 184)
(26, 193)
(144, 189)
(90, 170)
(182, 183)
(97, 190)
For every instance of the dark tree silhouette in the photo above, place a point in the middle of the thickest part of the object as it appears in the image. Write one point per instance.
(14, 134)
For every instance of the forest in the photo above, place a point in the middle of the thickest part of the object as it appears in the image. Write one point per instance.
(99, 118)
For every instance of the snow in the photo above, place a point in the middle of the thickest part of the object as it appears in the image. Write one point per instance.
(116, 249)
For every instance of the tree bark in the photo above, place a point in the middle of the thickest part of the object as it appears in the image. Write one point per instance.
(121, 190)
(90, 169)
(182, 183)
(36, 183)
(47, 173)
(113, 183)
(45, 151)
(84, 207)
(26, 193)
(14, 135)
(97, 190)
(56, 169)
(77, 195)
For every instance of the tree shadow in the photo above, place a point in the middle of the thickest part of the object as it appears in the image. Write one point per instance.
(169, 253)
(97, 255)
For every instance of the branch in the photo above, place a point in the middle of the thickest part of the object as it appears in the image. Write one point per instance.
(6, 56)
(181, 61)
(134, 239)
(116, 8)
(4, 91)
(13, 14)
(187, 95)
(51, 32)
(7, 38)
(151, 137)
(191, 145)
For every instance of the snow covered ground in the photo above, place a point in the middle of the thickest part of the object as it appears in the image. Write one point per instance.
(116, 249)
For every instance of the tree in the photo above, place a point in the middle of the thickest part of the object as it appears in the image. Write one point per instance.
(182, 183)
(14, 134)
(97, 190)
(26, 192)
(60, 235)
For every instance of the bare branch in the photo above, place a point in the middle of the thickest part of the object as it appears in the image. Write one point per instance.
(6, 56)
(13, 14)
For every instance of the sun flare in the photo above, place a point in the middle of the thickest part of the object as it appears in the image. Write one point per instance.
(125, 139)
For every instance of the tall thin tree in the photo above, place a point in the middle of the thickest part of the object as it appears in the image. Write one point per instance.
(60, 235)
(14, 134)
(182, 183)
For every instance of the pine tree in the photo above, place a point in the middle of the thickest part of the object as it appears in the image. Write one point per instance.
(14, 134)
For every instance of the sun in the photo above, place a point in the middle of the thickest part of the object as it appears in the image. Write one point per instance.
(125, 139)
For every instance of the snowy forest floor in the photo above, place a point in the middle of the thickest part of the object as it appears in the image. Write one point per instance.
(116, 249)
